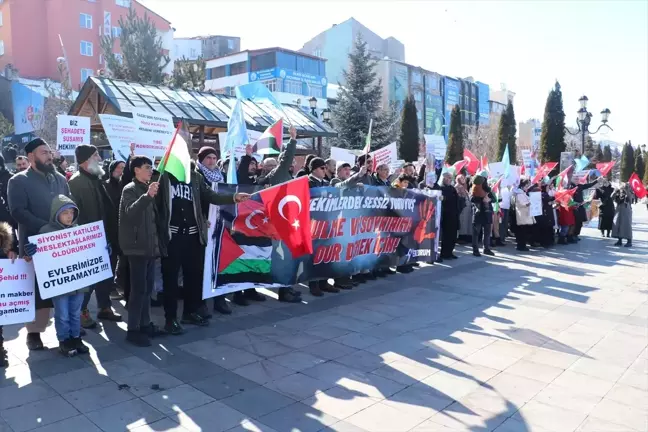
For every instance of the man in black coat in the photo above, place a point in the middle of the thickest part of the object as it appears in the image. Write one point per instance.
(581, 214)
(449, 217)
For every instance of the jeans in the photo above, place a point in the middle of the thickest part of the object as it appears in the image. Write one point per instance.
(141, 282)
(487, 235)
(67, 316)
(102, 292)
(564, 230)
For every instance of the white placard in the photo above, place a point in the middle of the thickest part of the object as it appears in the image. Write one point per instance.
(71, 259)
(343, 155)
(71, 131)
(153, 133)
(16, 292)
(120, 132)
(535, 199)
(437, 144)
(385, 155)
(496, 169)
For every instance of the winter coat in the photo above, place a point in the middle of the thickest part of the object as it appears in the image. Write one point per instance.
(581, 214)
(5, 175)
(281, 173)
(314, 182)
(138, 230)
(523, 209)
(243, 172)
(623, 215)
(351, 182)
(606, 207)
(566, 216)
(55, 225)
(482, 211)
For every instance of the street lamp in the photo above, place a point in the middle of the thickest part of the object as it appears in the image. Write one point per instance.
(313, 104)
(584, 119)
(326, 115)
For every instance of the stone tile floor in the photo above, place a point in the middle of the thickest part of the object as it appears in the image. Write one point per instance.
(542, 341)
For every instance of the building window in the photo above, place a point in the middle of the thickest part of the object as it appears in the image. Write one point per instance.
(294, 87)
(218, 72)
(315, 91)
(230, 44)
(0, 18)
(263, 61)
(317, 52)
(238, 68)
(193, 53)
(123, 3)
(101, 59)
(106, 24)
(1, 47)
(85, 21)
(85, 73)
(116, 32)
(86, 48)
(271, 84)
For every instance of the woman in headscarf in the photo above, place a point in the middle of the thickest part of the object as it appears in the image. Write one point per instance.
(523, 217)
(466, 216)
(603, 194)
(482, 198)
(622, 228)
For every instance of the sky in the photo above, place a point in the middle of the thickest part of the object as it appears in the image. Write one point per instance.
(595, 48)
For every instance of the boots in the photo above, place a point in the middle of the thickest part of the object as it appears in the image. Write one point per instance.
(221, 306)
(628, 243)
(618, 243)
(476, 252)
(562, 240)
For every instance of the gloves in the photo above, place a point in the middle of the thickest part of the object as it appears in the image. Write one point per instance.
(109, 249)
(30, 249)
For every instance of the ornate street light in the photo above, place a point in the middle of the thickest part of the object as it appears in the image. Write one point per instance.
(584, 119)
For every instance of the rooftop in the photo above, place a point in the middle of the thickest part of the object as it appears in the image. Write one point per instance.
(265, 50)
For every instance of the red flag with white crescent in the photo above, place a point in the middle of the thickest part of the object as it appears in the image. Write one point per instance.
(472, 163)
(605, 167)
(637, 186)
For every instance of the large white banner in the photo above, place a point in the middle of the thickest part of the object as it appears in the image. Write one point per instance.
(120, 132)
(153, 133)
(71, 131)
(16, 292)
(71, 259)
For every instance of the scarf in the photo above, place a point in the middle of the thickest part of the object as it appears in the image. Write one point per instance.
(212, 176)
(460, 186)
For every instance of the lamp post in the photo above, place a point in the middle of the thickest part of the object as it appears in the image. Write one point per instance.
(326, 116)
(312, 102)
(584, 119)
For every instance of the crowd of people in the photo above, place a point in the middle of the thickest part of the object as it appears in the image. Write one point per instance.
(156, 226)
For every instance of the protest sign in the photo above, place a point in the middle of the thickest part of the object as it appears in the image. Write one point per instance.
(71, 259)
(343, 155)
(496, 169)
(120, 132)
(437, 144)
(16, 292)
(153, 132)
(353, 230)
(566, 160)
(535, 199)
(385, 155)
(71, 131)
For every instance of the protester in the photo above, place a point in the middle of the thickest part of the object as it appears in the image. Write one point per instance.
(183, 237)
(466, 214)
(451, 207)
(22, 163)
(380, 177)
(268, 165)
(622, 228)
(403, 181)
(546, 222)
(30, 194)
(5, 175)
(8, 250)
(566, 221)
(344, 179)
(523, 218)
(603, 194)
(410, 171)
(580, 213)
(481, 198)
(505, 205)
(89, 194)
(113, 186)
(306, 168)
(246, 173)
(67, 307)
(330, 169)
(61, 165)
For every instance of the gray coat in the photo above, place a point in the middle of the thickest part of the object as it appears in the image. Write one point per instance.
(281, 173)
(622, 215)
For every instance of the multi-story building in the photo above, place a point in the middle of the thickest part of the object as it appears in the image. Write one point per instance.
(219, 46)
(35, 33)
(188, 48)
(292, 76)
(502, 96)
(529, 135)
(336, 43)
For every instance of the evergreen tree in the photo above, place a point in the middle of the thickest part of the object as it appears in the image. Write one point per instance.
(552, 140)
(189, 74)
(142, 57)
(455, 149)
(607, 154)
(616, 157)
(645, 176)
(639, 164)
(6, 128)
(590, 151)
(506, 134)
(408, 140)
(627, 162)
(598, 155)
(359, 101)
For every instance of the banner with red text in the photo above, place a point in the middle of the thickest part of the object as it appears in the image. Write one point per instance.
(71, 131)
(153, 132)
(71, 259)
(353, 230)
(16, 292)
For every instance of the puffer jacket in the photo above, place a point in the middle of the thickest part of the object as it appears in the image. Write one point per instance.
(138, 230)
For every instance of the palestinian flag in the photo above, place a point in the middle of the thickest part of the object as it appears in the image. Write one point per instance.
(562, 180)
(253, 265)
(176, 160)
(270, 142)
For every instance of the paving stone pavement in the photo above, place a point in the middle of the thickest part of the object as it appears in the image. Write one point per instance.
(551, 340)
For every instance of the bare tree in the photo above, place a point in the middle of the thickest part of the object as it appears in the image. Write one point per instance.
(481, 140)
(59, 101)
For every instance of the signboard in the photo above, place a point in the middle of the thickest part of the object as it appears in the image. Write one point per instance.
(153, 132)
(293, 75)
(71, 131)
(566, 159)
(438, 144)
(342, 155)
(535, 199)
(385, 155)
(433, 115)
(398, 85)
(450, 99)
(71, 259)
(28, 107)
(16, 292)
(120, 132)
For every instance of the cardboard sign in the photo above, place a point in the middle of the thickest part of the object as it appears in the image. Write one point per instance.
(385, 155)
(535, 199)
(71, 131)
(16, 292)
(343, 155)
(153, 133)
(120, 132)
(71, 259)
(436, 144)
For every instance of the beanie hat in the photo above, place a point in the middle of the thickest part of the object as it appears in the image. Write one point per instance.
(113, 166)
(84, 152)
(34, 144)
(316, 163)
(342, 164)
(206, 151)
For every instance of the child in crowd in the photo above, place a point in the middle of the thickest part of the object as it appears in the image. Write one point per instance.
(67, 307)
(8, 250)
(566, 220)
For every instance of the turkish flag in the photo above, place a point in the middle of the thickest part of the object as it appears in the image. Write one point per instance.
(543, 171)
(584, 178)
(483, 164)
(637, 186)
(522, 170)
(252, 220)
(472, 163)
(459, 165)
(288, 207)
(605, 167)
(564, 196)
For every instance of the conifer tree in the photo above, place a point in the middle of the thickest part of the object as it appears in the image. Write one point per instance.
(552, 140)
(627, 162)
(639, 164)
(408, 140)
(455, 149)
(598, 155)
(506, 134)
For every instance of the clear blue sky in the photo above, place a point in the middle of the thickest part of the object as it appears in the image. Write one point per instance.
(597, 48)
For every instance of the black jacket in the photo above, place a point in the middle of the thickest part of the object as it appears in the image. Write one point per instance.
(4, 182)
(314, 182)
(243, 173)
(138, 230)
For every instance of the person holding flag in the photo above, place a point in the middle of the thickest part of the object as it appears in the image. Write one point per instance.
(580, 213)
(603, 194)
(481, 198)
(523, 218)
(622, 228)
(183, 233)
